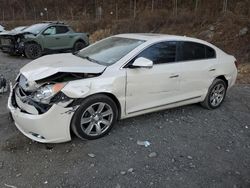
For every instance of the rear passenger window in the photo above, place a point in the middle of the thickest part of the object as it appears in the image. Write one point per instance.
(192, 51)
(61, 29)
(163, 52)
(210, 52)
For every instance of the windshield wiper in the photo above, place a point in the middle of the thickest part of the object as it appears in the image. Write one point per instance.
(88, 58)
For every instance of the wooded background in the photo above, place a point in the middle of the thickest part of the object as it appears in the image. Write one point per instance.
(110, 9)
(225, 23)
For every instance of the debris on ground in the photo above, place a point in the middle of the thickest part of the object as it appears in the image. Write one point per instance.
(118, 186)
(122, 172)
(153, 154)
(11, 186)
(143, 143)
(131, 170)
(91, 155)
(191, 165)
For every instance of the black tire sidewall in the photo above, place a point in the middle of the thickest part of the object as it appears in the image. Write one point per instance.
(75, 125)
(27, 49)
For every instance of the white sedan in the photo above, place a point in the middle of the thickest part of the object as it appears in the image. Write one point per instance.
(119, 77)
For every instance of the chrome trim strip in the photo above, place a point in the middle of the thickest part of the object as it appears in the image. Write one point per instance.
(165, 104)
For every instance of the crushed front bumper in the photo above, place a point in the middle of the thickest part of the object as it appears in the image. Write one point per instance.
(52, 126)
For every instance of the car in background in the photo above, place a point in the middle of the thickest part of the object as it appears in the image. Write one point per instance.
(119, 77)
(1, 28)
(42, 38)
(13, 31)
(19, 28)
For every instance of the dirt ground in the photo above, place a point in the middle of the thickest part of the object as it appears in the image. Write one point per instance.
(189, 147)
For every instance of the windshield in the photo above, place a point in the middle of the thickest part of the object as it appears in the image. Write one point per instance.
(110, 50)
(35, 29)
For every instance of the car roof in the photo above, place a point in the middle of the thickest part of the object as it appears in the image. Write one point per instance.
(51, 23)
(160, 37)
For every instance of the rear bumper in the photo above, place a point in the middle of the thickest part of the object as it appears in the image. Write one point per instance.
(51, 127)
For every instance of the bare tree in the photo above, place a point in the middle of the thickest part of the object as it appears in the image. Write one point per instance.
(152, 5)
(225, 2)
(196, 5)
(134, 8)
(116, 11)
(175, 7)
(3, 18)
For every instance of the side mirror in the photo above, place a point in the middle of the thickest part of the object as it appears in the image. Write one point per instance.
(143, 62)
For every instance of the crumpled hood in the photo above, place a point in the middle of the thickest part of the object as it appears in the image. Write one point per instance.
(12, 33)
(51, 64)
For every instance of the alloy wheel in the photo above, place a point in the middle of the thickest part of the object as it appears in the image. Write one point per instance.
(96, 119)
(217, 95)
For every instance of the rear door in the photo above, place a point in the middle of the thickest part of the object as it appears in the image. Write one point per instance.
(157, 86)
(197, 68)
(63, 37)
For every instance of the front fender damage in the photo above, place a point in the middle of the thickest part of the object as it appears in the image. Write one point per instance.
(24, 90)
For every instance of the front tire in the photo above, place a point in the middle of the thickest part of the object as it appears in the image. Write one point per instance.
(33, 50)
(95, 117)
(216, 94)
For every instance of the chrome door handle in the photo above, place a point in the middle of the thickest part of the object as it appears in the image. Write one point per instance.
(212, 70)
(174, 76)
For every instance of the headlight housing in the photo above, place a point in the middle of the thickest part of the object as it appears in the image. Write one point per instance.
(46, 92)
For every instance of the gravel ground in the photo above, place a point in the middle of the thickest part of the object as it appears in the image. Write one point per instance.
(189, 147)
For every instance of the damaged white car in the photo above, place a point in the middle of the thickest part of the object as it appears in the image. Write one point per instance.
(116, 78)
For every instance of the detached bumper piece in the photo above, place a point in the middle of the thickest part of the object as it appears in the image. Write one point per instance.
(49, 125)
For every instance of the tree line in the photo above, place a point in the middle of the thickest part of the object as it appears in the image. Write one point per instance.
(108, 9)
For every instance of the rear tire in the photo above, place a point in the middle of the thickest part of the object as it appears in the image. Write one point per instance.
(78, 46)
(215, 95)
(95, 117)
(33, 50)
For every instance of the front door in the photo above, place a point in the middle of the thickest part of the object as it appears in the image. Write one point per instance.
(49, 38)
(157, 86)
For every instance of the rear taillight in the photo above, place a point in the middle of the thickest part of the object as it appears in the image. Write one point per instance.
(236, 64)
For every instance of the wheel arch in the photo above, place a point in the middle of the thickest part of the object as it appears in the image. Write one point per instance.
(33, 42)
(110, 95)
(79, 101)
(222, 77)
(79, 40)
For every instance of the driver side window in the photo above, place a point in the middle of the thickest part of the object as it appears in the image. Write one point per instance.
(50, 31)
(163, 52)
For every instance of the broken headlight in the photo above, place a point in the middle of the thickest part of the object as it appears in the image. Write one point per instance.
(46, 92)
